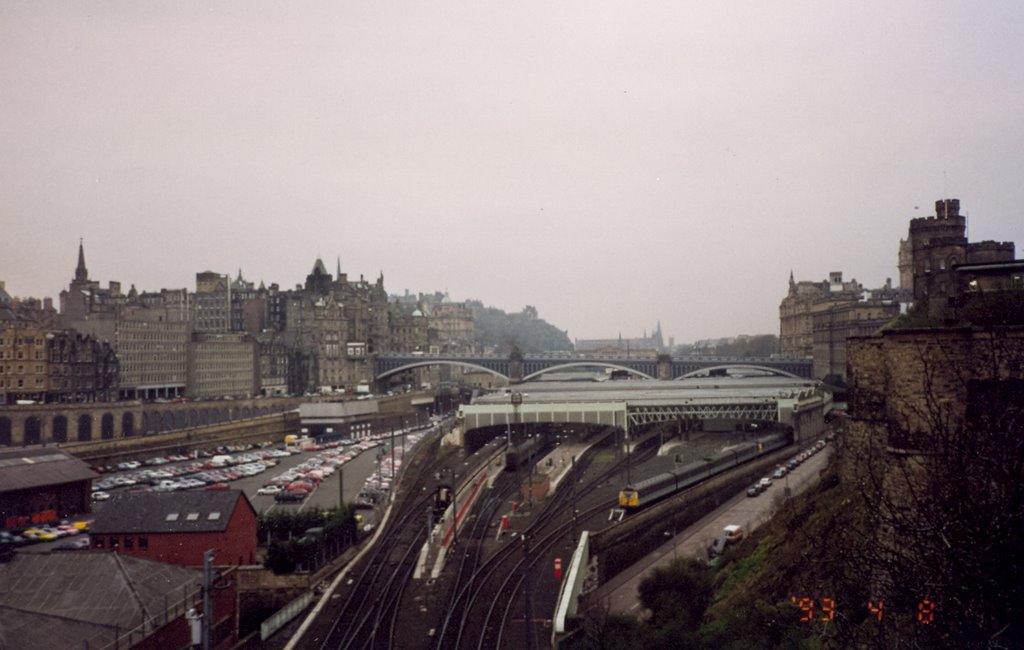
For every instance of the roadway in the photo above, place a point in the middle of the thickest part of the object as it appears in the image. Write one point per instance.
(621, 593)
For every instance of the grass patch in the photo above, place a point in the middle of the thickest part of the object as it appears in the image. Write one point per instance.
(736, 573)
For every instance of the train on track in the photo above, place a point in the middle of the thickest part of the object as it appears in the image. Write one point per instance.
(639, 494)
(518, 457)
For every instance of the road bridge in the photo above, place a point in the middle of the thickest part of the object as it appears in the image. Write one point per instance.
(518, 368)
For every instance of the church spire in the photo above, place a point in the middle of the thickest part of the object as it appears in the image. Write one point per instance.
(81, 273)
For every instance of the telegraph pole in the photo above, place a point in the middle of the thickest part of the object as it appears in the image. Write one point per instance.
(455, 510)
(207, 621)
(531, 638)
(572, 487)
(341, 487)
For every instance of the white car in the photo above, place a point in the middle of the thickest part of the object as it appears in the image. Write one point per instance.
(269, 489)
(100, 495)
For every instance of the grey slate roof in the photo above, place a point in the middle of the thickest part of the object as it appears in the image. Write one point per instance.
(175, 512)
(29, 468)
(78, 600)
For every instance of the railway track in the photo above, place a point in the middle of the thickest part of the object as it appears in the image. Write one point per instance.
(363, 611)
(480, 614)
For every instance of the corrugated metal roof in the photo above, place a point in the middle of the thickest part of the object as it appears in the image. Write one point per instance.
(174, 512)
(22, 469)
(81, 599)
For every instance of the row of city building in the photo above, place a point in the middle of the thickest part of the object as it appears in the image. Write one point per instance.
(944, 280)
(227, 338)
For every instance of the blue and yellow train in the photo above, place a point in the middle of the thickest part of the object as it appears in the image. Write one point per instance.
(642, 493)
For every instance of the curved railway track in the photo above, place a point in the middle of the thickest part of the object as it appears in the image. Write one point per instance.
(478, 615)
(363, 612)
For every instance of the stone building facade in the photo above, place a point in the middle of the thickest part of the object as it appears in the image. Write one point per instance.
(906, 383)
(47, 366)
(211, 303)
(816, 318)
(336, 326)
(452, 323)
(222, 364)
(322, 335)
(148, 332)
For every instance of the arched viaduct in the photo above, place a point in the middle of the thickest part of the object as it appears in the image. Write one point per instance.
(60, 423)
(518, 368)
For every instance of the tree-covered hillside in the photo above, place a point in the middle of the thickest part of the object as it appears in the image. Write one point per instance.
(499, 331)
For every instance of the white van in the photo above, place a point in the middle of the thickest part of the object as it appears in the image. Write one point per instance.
(730, 535)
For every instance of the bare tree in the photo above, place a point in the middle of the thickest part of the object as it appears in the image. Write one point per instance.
(937, 453)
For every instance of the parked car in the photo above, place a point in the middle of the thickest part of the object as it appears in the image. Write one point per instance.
(8, 537)
(291, 495)
(270, 489)
(754, 490)
(77, 544)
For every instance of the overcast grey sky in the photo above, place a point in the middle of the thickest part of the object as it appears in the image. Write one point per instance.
(613, 164)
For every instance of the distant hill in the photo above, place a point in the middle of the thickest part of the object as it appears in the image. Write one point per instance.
(499, 331)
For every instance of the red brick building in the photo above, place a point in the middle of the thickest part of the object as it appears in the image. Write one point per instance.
(178, 527)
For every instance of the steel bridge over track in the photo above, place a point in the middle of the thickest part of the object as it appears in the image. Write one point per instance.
(517, 368)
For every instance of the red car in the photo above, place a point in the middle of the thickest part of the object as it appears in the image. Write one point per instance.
(218, 486)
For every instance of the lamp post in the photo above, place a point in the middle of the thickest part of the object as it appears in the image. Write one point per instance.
(517, 399)
(625, 431)
(207, 620)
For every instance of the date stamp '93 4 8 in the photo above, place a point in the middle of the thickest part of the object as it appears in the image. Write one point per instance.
(824, 609)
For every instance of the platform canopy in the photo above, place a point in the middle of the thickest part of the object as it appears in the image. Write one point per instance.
(632, 403)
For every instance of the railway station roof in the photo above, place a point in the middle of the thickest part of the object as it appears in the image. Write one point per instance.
(630, 402)
(640, 390)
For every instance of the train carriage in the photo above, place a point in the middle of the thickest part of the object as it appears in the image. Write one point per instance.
(639, 494)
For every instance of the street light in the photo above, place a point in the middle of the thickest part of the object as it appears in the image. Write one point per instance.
(517, 399)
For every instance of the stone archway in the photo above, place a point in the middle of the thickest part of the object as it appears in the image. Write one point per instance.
(33, 430)
(127, 425)
(107, 426)
(84, 428)
(60, 428)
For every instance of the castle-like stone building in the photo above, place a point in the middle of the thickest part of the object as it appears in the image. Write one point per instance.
(934, 247)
